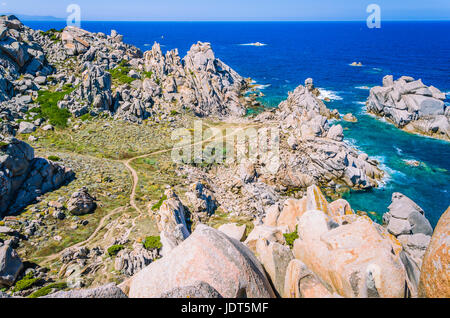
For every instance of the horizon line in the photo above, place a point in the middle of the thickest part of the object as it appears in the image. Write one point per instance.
(94, 20)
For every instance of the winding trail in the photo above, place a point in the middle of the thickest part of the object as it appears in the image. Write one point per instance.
(135, 182)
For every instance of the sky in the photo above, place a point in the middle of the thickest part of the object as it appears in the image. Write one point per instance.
(234, 10)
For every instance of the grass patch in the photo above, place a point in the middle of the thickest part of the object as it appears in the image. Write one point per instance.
(115, 249)
(49, 109)
(152, 242)
(120, 73)
(26, 282)
(48, 289)
(147, 74)
(159, 203)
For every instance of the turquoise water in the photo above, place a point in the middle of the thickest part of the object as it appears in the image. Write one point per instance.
(323, 51)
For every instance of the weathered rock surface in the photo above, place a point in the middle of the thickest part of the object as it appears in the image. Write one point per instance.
(199, 290)
(354, 260)
(172, 222)
(275, 259)
(106, 291)
(130, 262)
(10, 265)
(411, 105)
(301, 282)
(24, 177)
(81, 202)
(435, 272)
(225, 264)
(233, 230)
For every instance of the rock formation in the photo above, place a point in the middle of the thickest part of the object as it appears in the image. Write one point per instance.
(435, 272)
(23, 177)
(225, 264)
(412, 106)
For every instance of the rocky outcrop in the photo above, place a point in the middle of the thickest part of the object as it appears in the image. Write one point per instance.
(233, 230)
(202, 201)
(411, 105)
(130, 262)
(171, 219)
(23, 177)
(106, 291)
(435, 272)
(10, 265)
(225, 264)
(81, 202)
(200, 80)
(312, 151)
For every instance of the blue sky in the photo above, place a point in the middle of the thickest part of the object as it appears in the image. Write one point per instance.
(191, 10)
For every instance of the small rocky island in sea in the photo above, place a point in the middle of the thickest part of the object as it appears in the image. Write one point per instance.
(92, 204)
(412, 106)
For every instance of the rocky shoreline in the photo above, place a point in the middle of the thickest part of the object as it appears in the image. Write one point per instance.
(103, 213)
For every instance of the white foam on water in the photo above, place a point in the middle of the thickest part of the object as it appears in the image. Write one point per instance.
(332, 95)
(253, 44)
(398, 150)
(262, 86)
(363, 87)
(360, 103)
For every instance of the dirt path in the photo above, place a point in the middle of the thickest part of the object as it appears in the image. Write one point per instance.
(135, 182)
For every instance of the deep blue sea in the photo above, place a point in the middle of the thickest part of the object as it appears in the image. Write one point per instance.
(323, 51)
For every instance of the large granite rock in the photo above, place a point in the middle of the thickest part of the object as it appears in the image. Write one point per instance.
(301, 282)
(10, 265)
(209, 256)
(275, 259)
(354, 259)
(24, 177)
(81, 202)
(435, 273)
(411, 105)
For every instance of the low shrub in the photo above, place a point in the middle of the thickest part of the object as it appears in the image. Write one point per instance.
(54, 158)
(159, 203)
(115, 249)
(291, 237)
(152, 242)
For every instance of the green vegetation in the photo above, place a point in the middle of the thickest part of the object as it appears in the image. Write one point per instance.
(26, 282)
(147, 74)
(173, 113)
(49, 109)
(3, 144)
(54, 158)
(152, 242)
(291, 237)
(151, 162)
(48, 289)
(159, 203)
(115, 249)
(120, 73)
(86, 117)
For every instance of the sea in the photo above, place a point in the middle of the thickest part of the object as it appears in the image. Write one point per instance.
(290, 52)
